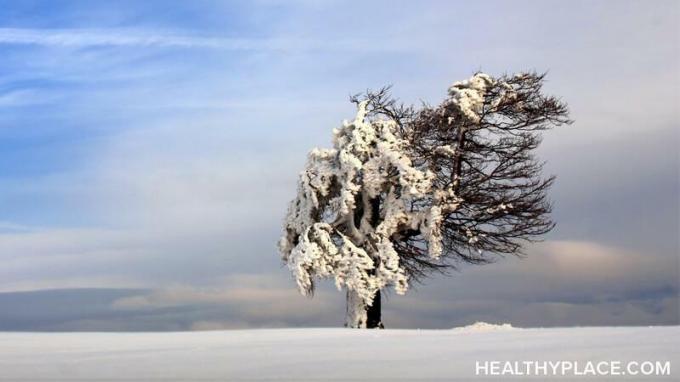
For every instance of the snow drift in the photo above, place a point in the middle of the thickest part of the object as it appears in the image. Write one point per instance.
(320, 354)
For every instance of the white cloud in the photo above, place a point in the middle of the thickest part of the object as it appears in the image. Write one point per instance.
(146, 38)
(24, 97)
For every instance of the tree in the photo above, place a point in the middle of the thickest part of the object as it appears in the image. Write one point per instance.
(406, 192)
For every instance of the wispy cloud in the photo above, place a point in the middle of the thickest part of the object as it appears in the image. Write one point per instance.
(146, 38)
(25, 97)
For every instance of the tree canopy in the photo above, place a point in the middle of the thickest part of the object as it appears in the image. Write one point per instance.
(404, 192)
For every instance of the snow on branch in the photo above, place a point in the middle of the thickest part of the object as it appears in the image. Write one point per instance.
(330, 227)
(403, 191)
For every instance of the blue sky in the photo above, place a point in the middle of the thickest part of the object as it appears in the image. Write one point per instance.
(153, 146)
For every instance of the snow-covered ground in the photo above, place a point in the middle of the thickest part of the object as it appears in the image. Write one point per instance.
(321, 354)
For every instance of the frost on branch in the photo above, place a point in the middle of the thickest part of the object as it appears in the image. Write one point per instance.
(468, 95)
(333, 228)
(405, 192)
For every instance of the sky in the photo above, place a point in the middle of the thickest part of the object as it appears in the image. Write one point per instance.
(148, 151)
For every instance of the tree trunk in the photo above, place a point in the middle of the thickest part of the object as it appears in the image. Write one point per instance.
(361, 316)
(356, 314)
(373, 320)
(373, 312)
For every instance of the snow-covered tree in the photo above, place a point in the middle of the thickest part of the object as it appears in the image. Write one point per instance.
(405, 192)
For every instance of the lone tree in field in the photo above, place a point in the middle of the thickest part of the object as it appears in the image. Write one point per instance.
(406, 192)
